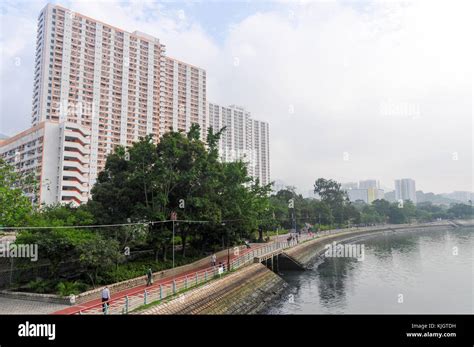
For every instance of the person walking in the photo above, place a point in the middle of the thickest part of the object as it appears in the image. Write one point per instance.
(213, 259)
(220, 270)
(105, 299)
(149, 277)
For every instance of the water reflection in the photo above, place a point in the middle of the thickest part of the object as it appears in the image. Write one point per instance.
(332, 279)
(421, 265)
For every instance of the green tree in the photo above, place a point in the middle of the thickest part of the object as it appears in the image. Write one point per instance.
(180, 174)
(14, 205)
(461, 211)
(331, 193)
(65, 248)
(382, 207)
(397, 215)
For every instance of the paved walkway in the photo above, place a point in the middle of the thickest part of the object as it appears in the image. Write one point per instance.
(19, 306)
(77, 308)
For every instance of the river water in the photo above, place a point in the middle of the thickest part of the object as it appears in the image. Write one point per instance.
(400, 273)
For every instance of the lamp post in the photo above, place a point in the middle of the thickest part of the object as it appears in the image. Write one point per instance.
(174, 217)
(228, 249)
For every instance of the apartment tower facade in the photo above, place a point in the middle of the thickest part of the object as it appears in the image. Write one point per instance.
(116, 86)
(97, 86)
(244, 138)
(56, 155)
(119, 84)
(405, 189)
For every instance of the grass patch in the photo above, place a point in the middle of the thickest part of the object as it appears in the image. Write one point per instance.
(178, 293)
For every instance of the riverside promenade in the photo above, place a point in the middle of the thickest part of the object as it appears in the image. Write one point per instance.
(128, 295)
(96, 304)
(125, 301)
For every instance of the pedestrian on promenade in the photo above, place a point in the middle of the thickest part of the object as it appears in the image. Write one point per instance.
(149, 277)
(221, 268)
(105, 298)
(213, 259)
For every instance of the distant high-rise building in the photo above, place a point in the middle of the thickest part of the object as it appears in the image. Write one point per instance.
(405, 190)
(358, 195)
(367, 195)
(244, 138)
(366, 184)
(374, 194)
(349, 185)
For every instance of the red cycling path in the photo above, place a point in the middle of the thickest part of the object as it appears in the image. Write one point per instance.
(77, 308)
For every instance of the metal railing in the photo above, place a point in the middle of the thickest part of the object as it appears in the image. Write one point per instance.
(134, 299)
(279, 244)
(126, 303)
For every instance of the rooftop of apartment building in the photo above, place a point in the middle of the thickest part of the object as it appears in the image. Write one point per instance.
(237, 108)
(7, 140)
(135, 33)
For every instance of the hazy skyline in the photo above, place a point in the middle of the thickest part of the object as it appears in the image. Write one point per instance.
(352, 90)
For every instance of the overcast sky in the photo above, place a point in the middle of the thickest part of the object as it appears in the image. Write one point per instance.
(352, 90)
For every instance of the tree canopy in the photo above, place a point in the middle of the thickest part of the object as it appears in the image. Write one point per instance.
(213, 200)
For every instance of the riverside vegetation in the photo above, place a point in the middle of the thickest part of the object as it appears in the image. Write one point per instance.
(217, 205)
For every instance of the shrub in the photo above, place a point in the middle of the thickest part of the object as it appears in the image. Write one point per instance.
(41, 286)
(66, 288)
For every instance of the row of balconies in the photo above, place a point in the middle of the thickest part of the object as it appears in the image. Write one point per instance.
(75, 138)
(70, 146)
(69, 165)
(73, 156)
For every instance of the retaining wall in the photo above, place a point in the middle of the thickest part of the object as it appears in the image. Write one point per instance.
(245, 291)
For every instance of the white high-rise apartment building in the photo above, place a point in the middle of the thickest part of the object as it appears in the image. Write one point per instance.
(118, 84)
(57, 156)
(97, 86)
(183, 97)
(405, 189)
(244, 138)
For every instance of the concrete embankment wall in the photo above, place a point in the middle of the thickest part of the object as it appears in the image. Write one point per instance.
(245, 291)
(305, 252)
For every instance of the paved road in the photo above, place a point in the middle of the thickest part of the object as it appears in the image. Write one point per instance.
(75, 309)
(19, 306)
